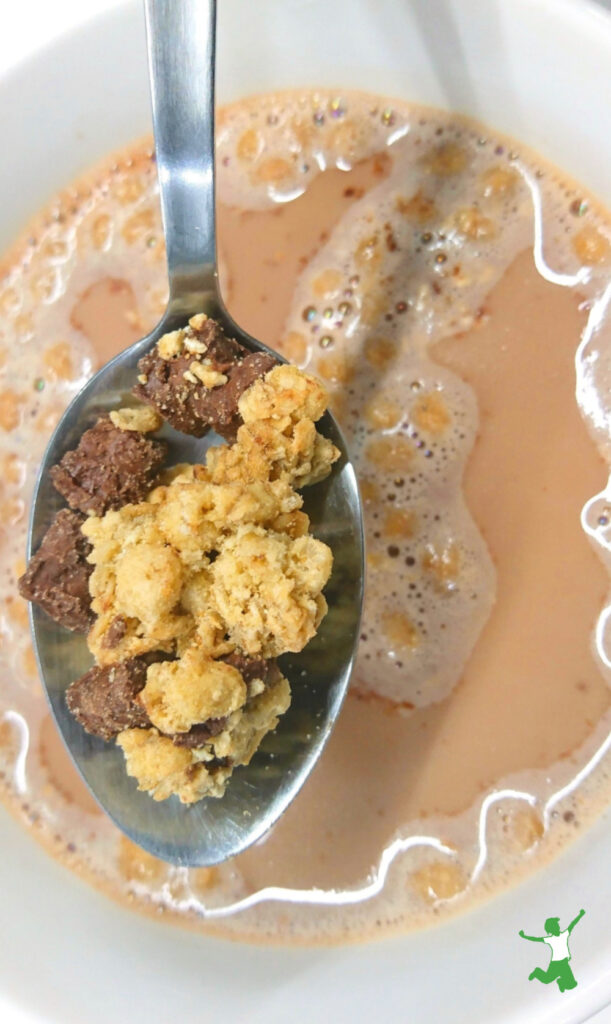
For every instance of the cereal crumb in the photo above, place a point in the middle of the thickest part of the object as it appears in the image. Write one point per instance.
(171, 344)
(207, 376)
(198, 321)
(144, 419)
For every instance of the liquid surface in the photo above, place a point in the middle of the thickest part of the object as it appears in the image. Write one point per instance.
(452, 292)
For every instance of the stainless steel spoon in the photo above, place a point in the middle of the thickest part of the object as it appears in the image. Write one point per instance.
(181, 38)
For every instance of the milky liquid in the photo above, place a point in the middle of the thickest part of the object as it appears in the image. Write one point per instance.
(443, 284)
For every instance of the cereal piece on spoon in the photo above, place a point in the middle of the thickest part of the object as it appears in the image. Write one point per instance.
(143, 418)
(195, 376)
(111, 466)
(104, 699)
(256, 672)
(179, 694)
(57, 577)
(165, 767)
(278, 439)
(267, 589)
(162, 769)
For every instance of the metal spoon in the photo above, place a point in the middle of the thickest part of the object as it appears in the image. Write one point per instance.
(181, 37)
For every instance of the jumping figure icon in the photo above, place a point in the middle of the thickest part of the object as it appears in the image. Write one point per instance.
(559, 968)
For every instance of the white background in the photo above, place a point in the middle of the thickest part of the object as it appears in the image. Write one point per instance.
(29, 24)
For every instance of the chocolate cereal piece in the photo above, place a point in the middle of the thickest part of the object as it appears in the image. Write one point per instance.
(199, 735)
(104, 699)
(194, 378)
(115, 632)
(264, 669)
(227, 419)
(109, 468)
(217, 763)
(57, 577)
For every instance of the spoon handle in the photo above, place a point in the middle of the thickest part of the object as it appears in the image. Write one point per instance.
(181, 52)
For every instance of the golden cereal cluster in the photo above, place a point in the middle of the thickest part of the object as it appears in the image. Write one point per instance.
(163, 769)
(217, 559)
(278, 439)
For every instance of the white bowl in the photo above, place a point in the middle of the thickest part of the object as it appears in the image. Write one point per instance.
(536, 69)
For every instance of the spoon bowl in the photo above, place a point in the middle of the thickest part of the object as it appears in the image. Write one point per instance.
(181, 54)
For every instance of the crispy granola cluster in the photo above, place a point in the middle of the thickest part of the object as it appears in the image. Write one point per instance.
(220, 555)
(218, 559)
(191, 580)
